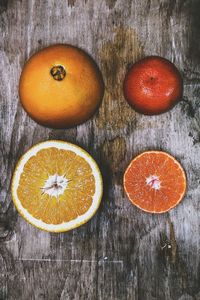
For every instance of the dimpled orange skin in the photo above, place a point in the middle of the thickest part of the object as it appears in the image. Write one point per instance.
(153, 85)
(65, 103)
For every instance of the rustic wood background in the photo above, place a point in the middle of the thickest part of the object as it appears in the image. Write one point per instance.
(122, 253)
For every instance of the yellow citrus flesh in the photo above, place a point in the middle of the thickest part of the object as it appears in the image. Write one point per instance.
(57, 187)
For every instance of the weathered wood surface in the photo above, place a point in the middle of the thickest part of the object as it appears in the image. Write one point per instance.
(121, 253)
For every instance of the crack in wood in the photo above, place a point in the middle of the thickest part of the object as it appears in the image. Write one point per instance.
(104, 261)
(173, 242)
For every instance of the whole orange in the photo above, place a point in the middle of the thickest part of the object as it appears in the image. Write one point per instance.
(61, 86)
(153, 85)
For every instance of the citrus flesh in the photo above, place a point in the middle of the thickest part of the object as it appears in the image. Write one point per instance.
(57, 186)
(61, 86)
(155, 181)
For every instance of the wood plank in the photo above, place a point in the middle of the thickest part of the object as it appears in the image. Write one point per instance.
(122, 253)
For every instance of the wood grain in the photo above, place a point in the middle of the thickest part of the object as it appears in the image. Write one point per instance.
(122, 253)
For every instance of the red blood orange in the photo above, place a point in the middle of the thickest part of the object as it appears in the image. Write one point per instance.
(155, 181)
(153, 85)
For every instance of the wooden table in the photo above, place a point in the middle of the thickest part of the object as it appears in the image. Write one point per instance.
(122, 253)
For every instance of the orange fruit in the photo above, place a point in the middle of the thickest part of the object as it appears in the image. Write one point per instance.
(153, 85)
(61, 86)
(57, 186)
(155, 181)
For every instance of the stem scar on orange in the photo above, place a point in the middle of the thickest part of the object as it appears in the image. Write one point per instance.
(61, 86)
(155, 181)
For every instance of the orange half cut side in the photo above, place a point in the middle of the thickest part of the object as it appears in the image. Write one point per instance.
(57, 186)
(155, 181)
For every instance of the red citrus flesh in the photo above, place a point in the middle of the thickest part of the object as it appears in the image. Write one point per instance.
(155, 182)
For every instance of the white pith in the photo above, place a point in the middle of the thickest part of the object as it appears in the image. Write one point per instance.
(55, 185)
(154, 182)
(80, 219)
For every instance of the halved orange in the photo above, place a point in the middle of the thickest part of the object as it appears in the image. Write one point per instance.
(155, 181)
(57, 186)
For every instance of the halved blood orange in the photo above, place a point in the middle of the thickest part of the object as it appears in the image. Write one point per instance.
(57, 186)
(155, 181)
